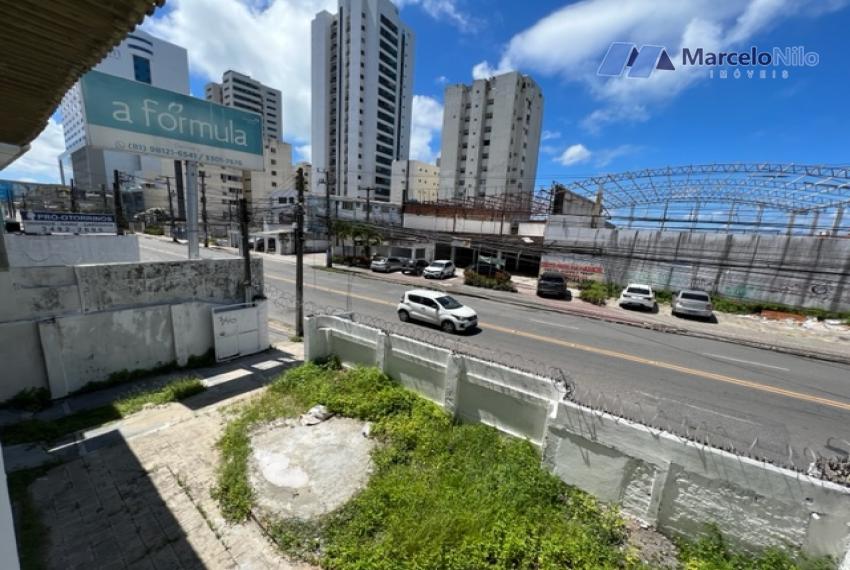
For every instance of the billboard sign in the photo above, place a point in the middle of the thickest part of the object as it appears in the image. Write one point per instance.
(67, 223)
(135, 117)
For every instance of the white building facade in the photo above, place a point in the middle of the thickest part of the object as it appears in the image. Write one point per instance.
(241, 91)
(140, 57)
(362, 93)
(414, 181)
(490, 139)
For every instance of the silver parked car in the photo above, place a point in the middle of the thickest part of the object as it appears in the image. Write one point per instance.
(693, 302)
(439, 269)
(387, 264)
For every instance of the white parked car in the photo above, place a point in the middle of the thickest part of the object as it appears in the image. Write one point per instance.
(439, 269)
(437, 308)
(637, 295)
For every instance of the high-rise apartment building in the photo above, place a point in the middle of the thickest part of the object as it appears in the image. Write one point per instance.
(414, 181)
(490, 139)
(362, 80)
(140, 57)
(241, 91)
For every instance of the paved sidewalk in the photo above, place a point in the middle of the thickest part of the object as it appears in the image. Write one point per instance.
(139, 494)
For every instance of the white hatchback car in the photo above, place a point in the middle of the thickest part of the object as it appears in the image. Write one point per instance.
(637, 295)
(439, 269)
(437, 308)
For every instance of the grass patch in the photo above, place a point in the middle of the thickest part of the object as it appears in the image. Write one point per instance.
(51, 430)
(29, 529)
(442, 495)
(712, 553)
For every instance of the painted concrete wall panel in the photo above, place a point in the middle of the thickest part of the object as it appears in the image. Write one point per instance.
(511, 411)
(23, 366)
(193, 332)
(32, 293)
(59, 250)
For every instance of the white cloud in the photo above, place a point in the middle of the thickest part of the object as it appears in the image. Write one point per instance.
(303, 152)
(484, 70)
(549, 135)
(40, 163)
(575, 154)
(606, 156)
(441, 80)
(427, 122)
(571, 42)
(444, 10)
(271, 43)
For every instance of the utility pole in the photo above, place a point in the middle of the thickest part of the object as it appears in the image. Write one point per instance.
(368, 203)
(203, 175)
(246, 253)
(170, 207)
(120, 220)
(299, 255)
(329, 251)
(178, 183)
(103, 197)
(75, 206)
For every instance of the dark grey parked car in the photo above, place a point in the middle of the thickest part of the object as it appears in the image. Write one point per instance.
(553, 284)
(415, 266)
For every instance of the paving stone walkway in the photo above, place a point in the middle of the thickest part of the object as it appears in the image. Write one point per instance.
(144, 502)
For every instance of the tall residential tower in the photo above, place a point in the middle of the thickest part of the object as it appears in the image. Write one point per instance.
(490, 140)
(362, 92)
(240, 91)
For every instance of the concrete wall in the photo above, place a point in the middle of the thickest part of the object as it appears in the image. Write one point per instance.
(675, 484)
(45, 251)
(61, 327)
(8, 546)
(803, 271)
(456, 224)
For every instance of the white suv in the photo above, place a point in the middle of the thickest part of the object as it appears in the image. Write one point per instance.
(637, 295)
(439, 269)
(437, 308)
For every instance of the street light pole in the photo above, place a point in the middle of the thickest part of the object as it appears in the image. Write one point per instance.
(299, 255)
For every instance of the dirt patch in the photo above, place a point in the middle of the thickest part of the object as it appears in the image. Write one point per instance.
(304, 471)
(652, 548)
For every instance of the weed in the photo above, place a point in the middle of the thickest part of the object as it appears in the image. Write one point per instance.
(51, 430)
(500, 281)
(595, 292)
(29, 399)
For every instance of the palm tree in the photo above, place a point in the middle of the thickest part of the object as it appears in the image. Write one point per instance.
(343, 230)
(369, 237)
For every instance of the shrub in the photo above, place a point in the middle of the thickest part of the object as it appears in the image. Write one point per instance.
(154, 230)
(596, 293)
(498, 282)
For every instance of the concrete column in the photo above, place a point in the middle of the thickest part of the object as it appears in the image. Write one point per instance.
(836, 222)
(663, 476)
(315, 348)
(382, 349)
(4, 258)
(792, 217)
(455, 369)
(192, 209)
(815, 220)
(453, 254)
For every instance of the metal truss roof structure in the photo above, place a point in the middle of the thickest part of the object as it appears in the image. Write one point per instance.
(784, 187)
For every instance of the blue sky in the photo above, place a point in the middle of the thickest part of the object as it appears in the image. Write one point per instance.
(592, 124)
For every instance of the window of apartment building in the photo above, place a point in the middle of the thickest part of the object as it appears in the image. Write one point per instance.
(274, 184)
(490, 101)
(274, 172)
(142, 69)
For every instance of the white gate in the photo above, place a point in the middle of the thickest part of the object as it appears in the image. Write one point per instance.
(240, 329)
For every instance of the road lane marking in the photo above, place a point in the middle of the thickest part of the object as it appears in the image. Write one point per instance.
(721, 357)
(571, 327)
(752, 385)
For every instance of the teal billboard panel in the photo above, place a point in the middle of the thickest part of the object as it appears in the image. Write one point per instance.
(135, 117)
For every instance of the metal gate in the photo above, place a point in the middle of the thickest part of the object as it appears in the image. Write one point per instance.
(240, 329)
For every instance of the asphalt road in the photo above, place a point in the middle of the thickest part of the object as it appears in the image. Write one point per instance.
(737, 396)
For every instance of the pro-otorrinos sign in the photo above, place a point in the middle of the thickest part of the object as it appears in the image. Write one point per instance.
(136, 117)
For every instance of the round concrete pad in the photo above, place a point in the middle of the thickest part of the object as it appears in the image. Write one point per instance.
(307, 471)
